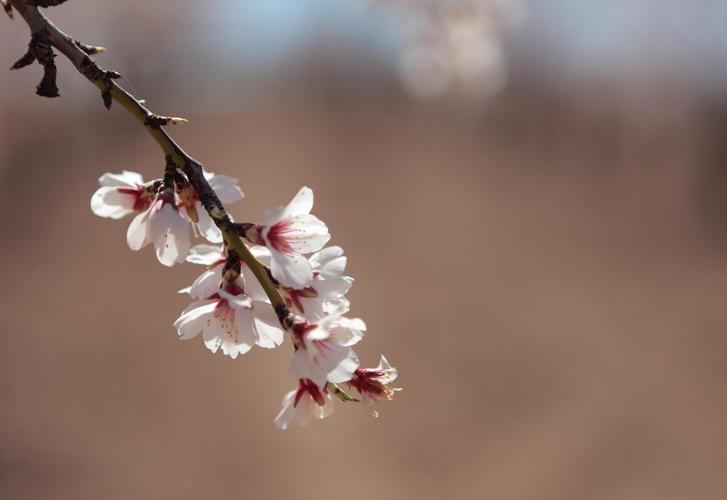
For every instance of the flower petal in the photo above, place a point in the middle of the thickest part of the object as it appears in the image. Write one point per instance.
(136, 235)
(109, 202)
(287, 413)
(205, 255)
(293, 271)
(194, 318)
(225, 187)
(302, 203)
(124, 179)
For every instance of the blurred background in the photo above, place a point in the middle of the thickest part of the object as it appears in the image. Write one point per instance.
(532, 198)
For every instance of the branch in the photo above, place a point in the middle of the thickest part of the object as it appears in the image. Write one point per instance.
(45, 36)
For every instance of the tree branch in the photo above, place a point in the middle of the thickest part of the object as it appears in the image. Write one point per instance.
(46, 35)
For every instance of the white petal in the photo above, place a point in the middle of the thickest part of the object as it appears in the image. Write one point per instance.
(205, 255)
(330, 262)
(194, 318)
(207, 227)
(206, 284)
(162, 216)
(332, 288)
(306, 410)
(226, 188)
(301, 204)
(253, 288)
(173, 245)
(306, 233)
(124, 179)
(287, 413)
(109, 202)
(273, 215)
(261, 253)
(240, 301)
(345, 368)
(327, 408)
(270, 335)
(293, 271)
(136, 235)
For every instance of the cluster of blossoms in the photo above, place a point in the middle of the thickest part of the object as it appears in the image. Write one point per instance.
(232, 309)
(454, 45)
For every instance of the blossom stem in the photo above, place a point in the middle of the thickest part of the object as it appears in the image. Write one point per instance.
(42, 28)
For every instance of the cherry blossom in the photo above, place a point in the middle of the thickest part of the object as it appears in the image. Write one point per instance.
(290, 232)
(163, 225)
(212, 256)
(328, 288)
(233, 319)
(324, 351)
(121, 194)
(371, 385)
(307, 403)
(227, 190)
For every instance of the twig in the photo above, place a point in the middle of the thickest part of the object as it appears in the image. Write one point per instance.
(46, 35)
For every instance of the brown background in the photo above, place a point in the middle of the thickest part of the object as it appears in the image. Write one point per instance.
(547, 269)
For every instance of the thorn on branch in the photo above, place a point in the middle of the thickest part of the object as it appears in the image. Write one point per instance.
(156, 121)
(93, 72)
(108, 81)
(89, 50)
(39, 49)
(26, 60)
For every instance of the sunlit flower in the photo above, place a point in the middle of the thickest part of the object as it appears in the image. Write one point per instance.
(324, 351)
(306, 403)
(163, 225)
(213, 257)
(121, 194)
(227, 191)
(289, 233)
(326, 291)
(231, 321)
(371, 385)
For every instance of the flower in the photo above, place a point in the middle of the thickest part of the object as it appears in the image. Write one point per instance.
(121, 194)
(232, 319)
(289, 232)
(371, 385)
(304, 404)
(324, 351)
(328, 288)
(214, 258)
(227, 191)
(163, 225)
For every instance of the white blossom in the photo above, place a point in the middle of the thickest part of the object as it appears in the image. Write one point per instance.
(324, 348)
(326, 291)
(207, 283)
(163, 225)
(371, 385)
(227, 191)
(306, 403)
(120, 195)
(289, 233)
(233, 319)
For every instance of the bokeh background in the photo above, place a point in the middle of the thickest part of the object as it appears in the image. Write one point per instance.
(535, 218)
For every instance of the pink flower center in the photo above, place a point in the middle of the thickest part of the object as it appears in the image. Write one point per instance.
(365, 381)
(226, 316)
(279, 237)
(307, 386)
(142, 198)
